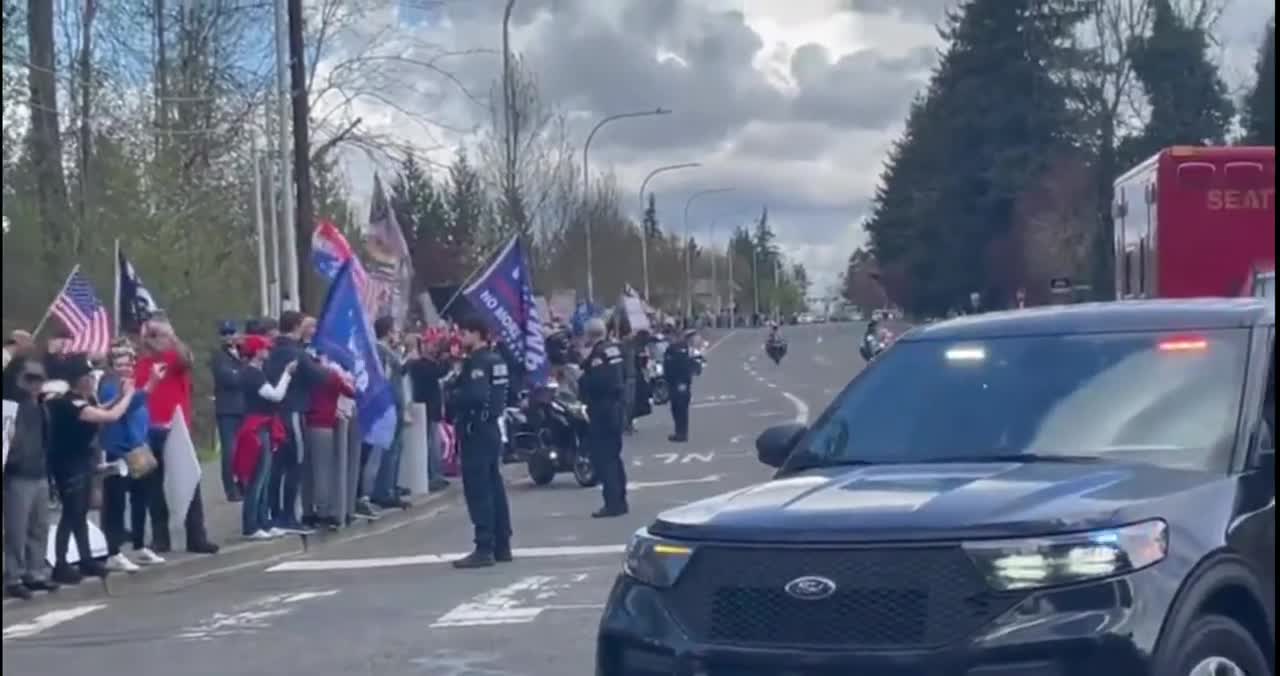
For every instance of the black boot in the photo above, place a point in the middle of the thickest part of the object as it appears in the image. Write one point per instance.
(17, 591)
(66, 574)
(502, 554)
(610, 513)
(476, 559)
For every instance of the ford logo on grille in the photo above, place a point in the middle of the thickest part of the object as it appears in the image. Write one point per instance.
(811, 588)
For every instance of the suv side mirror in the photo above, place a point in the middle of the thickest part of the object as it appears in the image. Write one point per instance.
(775, 444)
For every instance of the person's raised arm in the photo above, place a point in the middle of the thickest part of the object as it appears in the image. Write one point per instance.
(98, 415)
(276, 392)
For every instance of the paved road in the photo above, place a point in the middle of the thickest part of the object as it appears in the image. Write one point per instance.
(389, 603)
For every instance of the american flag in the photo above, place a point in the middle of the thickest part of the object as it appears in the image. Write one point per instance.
(78, 308)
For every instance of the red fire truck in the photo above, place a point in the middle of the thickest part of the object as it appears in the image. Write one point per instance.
(1193, 222)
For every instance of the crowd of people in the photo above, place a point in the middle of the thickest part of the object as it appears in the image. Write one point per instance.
(94, 428)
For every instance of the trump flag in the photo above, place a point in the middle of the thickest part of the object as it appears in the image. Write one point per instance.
(343, 334)
(504, 295)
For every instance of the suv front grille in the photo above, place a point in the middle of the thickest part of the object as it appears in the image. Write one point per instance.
(907, 597)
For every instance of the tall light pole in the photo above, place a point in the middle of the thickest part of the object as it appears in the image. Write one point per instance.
(284, 94)
(644, 234)
(688, 246)
(586, 186)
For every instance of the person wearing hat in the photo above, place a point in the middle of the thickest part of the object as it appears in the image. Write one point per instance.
(73, 420)
(228, 401)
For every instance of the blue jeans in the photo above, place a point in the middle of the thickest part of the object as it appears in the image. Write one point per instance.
(255, 512)
(228, 427)
(286, 474)
(388, 476)
(435, 452)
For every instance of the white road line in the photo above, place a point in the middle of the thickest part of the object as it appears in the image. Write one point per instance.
(498, 606)
(317, 565)
(723, 338)
(254, 617)
(802, 409)
(735, 402)
(49, 620)
(638, 485)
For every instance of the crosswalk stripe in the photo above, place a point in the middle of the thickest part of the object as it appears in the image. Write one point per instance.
(429, 559)
(49, 620)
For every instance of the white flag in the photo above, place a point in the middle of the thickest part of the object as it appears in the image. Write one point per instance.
(182, 470)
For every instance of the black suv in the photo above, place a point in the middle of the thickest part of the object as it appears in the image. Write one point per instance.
(1078, 491)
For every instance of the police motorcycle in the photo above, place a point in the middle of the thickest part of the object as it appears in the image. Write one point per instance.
(874, 343)
(552, 438)
(776, 346)
(659, 391)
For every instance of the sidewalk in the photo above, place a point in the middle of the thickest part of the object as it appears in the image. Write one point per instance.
(222, 520)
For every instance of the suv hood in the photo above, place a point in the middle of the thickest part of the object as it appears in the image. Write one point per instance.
(933, 501)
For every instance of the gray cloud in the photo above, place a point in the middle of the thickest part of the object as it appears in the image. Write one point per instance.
(800, 127)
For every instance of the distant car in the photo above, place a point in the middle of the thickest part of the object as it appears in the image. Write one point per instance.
(1085, 490)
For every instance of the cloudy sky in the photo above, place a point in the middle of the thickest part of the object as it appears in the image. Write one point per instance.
(790, 102)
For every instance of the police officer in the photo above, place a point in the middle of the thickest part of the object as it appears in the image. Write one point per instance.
(601, 389)
(679, 367)
(477, 401)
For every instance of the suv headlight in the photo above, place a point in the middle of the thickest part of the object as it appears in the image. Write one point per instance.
(654, 561)
(1067, 559)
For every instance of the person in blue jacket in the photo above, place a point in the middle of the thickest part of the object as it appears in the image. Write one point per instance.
(117, 440)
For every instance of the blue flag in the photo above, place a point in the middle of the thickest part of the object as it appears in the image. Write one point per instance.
(504, 295)
(343, 334)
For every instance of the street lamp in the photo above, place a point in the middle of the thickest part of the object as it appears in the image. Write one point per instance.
(644, 236)
(586, 185)
(688, 253)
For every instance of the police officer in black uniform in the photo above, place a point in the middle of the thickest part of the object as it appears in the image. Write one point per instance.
(477, 400)
(601, 389)
(679, 367)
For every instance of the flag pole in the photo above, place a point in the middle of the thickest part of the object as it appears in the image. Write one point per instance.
(49, 310)
(115, 305)
(488, 262)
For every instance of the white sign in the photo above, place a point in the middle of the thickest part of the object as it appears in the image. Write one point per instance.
(637, 318)
(181, 469)
(10, 415)
(97, 546)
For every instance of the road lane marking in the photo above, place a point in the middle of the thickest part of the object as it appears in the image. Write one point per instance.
(252, 618)
(519, 603)
(733, 402)
(498, 606)
(317, 565)
(723, 338)
(49, 620)
(638, 485)
(802, 409)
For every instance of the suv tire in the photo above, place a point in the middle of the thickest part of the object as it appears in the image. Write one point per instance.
(1214, 636)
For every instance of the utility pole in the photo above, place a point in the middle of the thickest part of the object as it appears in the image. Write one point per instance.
(301, 251)
(288, 254)
(273, 211)
(263, 294)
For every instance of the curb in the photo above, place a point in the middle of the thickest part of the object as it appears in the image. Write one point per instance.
(187, 569)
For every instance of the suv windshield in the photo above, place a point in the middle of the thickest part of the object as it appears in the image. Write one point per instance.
(1155, 398)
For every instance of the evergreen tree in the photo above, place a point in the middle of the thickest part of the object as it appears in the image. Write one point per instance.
(1189, 102)
(992, 118)
(1260, 105)
(650, 222)
(468, 208)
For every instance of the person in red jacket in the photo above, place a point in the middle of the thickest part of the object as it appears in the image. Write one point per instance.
(260, 436)
(327, 469)
(171, 394)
